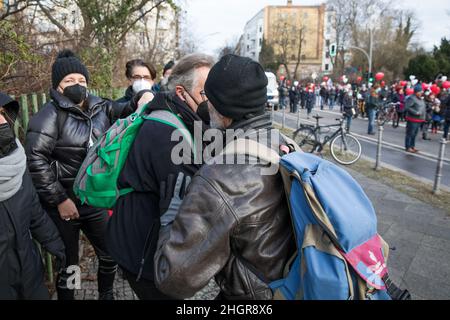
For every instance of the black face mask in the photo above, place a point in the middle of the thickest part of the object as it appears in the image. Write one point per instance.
(203, 112)
(76, 93)
(202, 109)
(7, 140)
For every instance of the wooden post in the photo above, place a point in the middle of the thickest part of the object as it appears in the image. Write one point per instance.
(25, 115)
(43, 99)
(34, 102)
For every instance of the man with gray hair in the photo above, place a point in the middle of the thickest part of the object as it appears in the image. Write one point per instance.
(150, 171)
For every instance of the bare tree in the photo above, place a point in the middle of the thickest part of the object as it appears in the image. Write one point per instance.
(288, 39)
(300, 36)
(282, 43)
(15, 6)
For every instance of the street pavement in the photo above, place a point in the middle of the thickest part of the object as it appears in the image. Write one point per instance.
(418, 234)
(421, 166)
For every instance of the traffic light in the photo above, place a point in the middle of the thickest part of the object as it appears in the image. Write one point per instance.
(370, 77)
(333, 50)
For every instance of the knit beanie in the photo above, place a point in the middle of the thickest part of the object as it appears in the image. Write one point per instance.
(67, 63)
(418, 88)
(10, 106)
(237, 87)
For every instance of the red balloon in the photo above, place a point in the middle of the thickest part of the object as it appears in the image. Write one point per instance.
(446, 85)
(359, 79)
(403, 83)
(409, 91)
(436, 90)
(379, 76)
(425, 86)
(326, 79)
(383, 83)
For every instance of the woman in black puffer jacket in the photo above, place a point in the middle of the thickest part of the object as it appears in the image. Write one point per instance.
(57, 141)
(21, 219)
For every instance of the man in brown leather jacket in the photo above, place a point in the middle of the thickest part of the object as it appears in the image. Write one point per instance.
(233, 223)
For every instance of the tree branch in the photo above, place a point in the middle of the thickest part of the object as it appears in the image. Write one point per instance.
(133, 23)
(53, 20)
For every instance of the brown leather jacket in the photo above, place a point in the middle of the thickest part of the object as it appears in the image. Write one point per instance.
(232, 218)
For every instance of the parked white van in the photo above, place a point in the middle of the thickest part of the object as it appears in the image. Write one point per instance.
(272, 91)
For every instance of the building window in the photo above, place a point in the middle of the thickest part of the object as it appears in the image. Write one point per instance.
(260, 42)
(327, 43)
(248, 48)
(327, 67)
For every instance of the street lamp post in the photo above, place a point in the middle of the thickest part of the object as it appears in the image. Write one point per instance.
(368, 55)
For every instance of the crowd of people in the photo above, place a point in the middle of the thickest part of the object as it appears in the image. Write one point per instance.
(183, 224)
(422, 107)
(146, 234)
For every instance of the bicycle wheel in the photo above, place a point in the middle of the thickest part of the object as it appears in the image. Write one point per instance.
(346, 149)
(306, 138)
(381, 118)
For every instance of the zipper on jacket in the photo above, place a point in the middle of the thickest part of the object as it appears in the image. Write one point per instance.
(144, 253)
(91, 141)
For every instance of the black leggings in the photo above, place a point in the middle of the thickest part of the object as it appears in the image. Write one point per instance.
(93, 223)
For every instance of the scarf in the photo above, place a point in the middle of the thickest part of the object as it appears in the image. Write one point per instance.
(12, 169)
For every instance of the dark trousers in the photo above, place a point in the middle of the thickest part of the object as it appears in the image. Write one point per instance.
(144, 289)
(371, 113)
(412, 129)
(401, 117)
(446, 128)
(93, 223)
(424, 127)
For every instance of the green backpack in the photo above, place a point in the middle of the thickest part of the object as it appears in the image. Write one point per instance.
(96, 181)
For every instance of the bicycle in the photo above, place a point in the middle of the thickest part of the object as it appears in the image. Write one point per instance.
(388, 112)
(345, 148)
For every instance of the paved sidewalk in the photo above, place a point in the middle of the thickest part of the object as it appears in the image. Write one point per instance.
(418, 233)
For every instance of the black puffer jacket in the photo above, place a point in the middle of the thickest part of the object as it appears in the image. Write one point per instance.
(58, 139)
(22, 217)
(129, 94)
(446, 108)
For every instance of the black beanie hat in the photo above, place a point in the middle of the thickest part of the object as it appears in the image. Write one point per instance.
(237, 87)
(67, 63)
(10, 106)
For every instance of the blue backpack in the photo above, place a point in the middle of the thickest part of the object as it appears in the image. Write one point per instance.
(340, 255)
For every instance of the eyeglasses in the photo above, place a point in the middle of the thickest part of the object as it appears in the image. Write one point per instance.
(137, 77)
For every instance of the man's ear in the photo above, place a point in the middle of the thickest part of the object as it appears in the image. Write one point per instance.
(179, 91)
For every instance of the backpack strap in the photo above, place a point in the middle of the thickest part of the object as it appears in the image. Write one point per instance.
(172, 120)
(251, 148)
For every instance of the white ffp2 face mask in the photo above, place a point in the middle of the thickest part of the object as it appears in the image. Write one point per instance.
(141, 85)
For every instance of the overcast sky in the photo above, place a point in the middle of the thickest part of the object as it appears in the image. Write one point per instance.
(217, 22)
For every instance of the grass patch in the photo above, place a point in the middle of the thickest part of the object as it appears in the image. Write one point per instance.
(397, 180)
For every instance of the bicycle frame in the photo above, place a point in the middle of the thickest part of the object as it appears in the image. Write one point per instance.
(317, 130)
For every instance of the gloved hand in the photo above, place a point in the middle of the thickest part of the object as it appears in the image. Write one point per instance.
(177, 198)
(60, 263)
